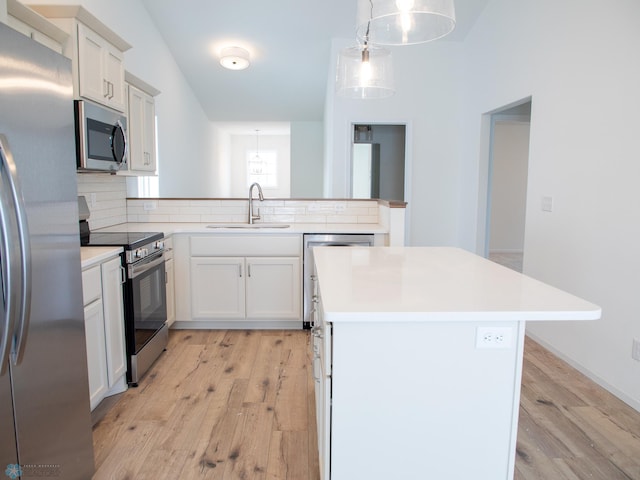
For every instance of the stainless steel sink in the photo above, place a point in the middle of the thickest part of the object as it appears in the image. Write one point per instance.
(249, 225)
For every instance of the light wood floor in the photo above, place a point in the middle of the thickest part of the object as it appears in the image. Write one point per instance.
(240, 405)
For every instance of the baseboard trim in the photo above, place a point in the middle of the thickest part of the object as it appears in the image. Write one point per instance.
(633, 403)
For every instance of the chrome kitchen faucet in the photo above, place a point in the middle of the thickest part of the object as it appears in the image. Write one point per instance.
(253, 217)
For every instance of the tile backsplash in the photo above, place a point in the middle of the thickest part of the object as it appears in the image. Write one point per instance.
(236, 210)
(106, 197)
(108, 205)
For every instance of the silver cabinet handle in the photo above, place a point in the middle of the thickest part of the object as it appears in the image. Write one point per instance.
(249, 270)
(24, 293)
(105, 88)
(123, 275)
(240, 270)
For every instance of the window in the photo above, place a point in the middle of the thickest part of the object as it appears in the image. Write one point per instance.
(262, 167)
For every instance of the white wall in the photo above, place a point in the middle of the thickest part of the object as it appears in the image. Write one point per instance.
(509, 186)
(307, 156)
(183, 129)
(577, 61)
(428, 99)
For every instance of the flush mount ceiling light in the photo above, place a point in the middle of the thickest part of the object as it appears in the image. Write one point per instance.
(404, 22)
(234, 58)
(364, 72)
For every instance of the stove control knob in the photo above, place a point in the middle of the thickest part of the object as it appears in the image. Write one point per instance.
(141, 253)
(159, 245)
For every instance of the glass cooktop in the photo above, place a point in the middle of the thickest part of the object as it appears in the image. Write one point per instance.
(128, 240)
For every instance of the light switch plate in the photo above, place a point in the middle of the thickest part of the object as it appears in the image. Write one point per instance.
(547, 204)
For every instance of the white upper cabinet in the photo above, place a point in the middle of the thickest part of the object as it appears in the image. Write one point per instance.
(100, 70)
(35, 26)
(96, 53)
(142, 127)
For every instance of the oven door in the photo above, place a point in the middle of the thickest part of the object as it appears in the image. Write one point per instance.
(148, 299)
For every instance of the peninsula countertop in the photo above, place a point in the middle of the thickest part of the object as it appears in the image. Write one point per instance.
(419, 284)
(171, 228)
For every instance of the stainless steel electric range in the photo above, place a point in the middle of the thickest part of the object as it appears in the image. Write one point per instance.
(144, 292)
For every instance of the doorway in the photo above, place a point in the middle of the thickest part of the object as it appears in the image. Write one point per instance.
(507, 185)
(378, 162)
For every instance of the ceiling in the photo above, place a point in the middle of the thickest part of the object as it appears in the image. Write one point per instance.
(289, 42)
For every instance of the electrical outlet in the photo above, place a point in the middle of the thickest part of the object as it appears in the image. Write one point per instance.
(150, 205)
(494, 337)
(92, 199)
(635, 349)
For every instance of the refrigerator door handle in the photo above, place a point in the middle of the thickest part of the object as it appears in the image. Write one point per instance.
(9, 262)
(24, 278)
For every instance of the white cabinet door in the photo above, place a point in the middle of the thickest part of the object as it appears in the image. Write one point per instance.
(135, 126)
(217, 288)
(92, 81)
(114, 73)
(141, 129)
(96, 366)
(273, 287)
(171, 296)
(113, 319)
(149, 133)
(100, 70)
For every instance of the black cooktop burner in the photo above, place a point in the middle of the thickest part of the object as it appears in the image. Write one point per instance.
(128, 240)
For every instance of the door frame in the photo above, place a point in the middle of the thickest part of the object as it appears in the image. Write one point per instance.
(487, 130)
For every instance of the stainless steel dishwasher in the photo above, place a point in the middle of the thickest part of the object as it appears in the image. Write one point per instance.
(324, 240)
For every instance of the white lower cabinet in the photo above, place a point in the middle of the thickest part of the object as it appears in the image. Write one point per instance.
(239, 281)
(96, 352)
(238, 287)
(104, 330)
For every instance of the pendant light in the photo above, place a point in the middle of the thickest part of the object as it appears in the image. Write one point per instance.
(255, 163)
(404, 22)
(364, 72)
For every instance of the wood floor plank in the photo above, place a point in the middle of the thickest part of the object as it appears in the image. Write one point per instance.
(249, 453)
(266, 371)
(285, 461)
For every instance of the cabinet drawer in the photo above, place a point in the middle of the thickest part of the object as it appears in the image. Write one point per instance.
(246, 245)
(91, 284)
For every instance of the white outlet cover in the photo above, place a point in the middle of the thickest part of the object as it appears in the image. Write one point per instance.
(494, 337)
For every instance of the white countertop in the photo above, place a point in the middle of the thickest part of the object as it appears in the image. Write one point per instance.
(298, 228)
(91, 256)
(434, 284)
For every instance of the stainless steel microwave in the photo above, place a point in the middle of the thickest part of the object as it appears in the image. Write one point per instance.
(101, 138)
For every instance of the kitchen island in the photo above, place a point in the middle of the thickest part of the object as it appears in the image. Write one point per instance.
(418, 360)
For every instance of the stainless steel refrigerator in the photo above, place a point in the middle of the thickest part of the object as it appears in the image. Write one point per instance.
(45, 420)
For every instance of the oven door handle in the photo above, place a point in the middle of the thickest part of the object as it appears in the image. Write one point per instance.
(142, 267)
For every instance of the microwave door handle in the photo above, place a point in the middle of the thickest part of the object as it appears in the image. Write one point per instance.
(81, 133)
(23, 267)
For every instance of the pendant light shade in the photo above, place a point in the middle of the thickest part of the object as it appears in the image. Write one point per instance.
(364, 72)
(404, 22)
